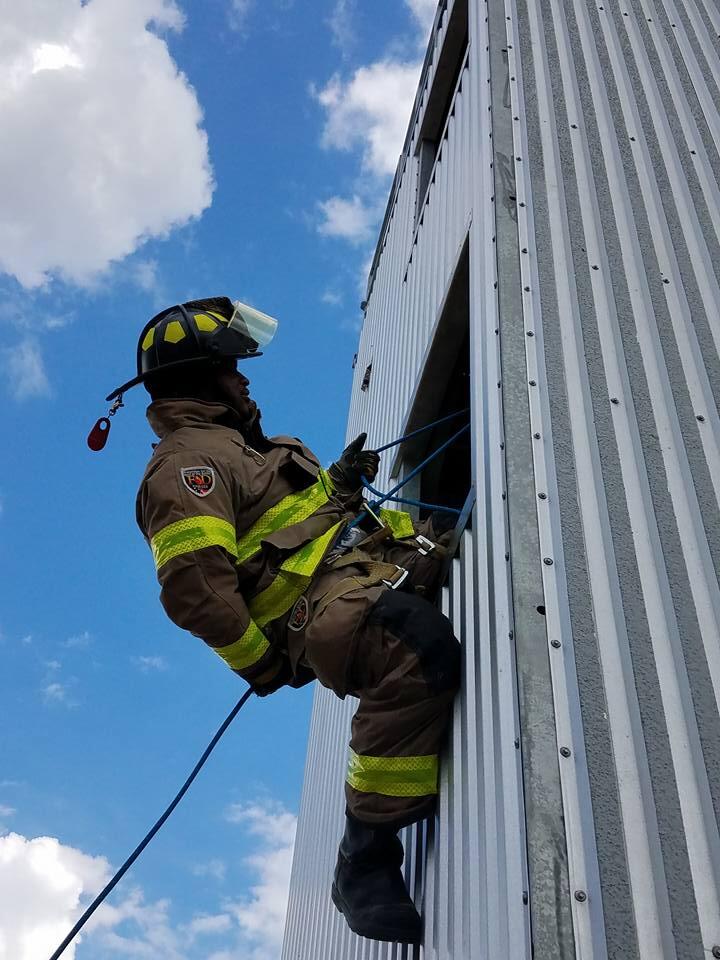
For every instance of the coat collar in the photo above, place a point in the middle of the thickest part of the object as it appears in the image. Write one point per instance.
(166, 416)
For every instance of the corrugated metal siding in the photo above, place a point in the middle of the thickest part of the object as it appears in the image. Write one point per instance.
(615, 246)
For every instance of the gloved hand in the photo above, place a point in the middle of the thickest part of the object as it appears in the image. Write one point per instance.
(345, 473)
(277, 676)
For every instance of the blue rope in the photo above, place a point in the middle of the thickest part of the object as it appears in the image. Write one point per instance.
(428, 426)
(390, 495)
(413, 503)
(154, 829)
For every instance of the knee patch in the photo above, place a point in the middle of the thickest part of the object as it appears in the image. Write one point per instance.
(426, 632)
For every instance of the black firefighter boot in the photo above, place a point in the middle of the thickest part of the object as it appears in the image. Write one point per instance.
(369, 888)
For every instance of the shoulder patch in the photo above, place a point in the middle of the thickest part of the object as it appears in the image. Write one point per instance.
(198, 480)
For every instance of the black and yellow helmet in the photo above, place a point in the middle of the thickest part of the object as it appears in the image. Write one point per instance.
(199, 331)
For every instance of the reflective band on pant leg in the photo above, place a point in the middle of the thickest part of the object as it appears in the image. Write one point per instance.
(393, 776)
(292, 509)
(192, 533)
(246, 651)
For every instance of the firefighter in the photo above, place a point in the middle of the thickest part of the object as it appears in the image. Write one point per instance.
(259, 552)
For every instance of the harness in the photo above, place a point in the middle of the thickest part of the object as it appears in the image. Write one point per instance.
(352, 549)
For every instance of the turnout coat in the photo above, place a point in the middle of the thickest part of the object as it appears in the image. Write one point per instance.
(236, 534)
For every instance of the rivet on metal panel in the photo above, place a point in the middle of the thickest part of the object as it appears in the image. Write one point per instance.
(507, 556)
(548, 561)
(564, 751)
(542, 496)
(524, 250)
(504, 496)
(510, 635)
(716, 951)
(580, 896)
(522, 204)
(518, 158)
(633, 139)
(541, 609)
(502, 446)
(573, 126)
(516, 119)
(694, 152)
(530, 333)
(701, 418)
(517, 743)
(526, 289)
(532, 383)
(537, 436)
(526, 898)
(666, 280)
(555, 643)
(595, 267)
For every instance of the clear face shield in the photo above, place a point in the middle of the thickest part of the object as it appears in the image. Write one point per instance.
(252, 323)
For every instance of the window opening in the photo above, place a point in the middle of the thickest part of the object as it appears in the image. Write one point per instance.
(440, 98)
(366, 378)
(443, 388)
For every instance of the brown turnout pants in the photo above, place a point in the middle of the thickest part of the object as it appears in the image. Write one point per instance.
(397, 654)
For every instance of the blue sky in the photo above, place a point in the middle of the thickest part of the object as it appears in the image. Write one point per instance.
(157, 151)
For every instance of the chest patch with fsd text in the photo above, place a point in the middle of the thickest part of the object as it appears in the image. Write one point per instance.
(198, 480)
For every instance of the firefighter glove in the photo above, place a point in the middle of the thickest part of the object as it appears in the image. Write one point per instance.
(354, 462)
(279, 675)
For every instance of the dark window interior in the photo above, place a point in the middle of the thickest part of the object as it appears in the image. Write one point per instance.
(452, 57)
(444, 388)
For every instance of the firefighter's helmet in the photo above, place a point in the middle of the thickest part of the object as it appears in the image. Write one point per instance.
(199, 331)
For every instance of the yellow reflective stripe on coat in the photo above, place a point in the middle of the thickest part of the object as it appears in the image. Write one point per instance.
(246, 651)
(192, 533)
(294, 508)
(399, 522)
(292, 580)
(393, 776)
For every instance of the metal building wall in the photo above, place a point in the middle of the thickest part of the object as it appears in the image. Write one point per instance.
(581, 790)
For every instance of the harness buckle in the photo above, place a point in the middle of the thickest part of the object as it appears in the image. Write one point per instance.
(425, 546)
(397, 578)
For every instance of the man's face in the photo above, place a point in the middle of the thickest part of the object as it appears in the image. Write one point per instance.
(234, 390)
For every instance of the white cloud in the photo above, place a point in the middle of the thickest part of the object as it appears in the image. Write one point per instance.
(146, 664)
(262, 915)
(103, 136)
(145, 275)
(370, 112)
(203, 925)
(57, 693)
(350, 219)
(424, 12)
(6, 811)
(42, 883)
(238, 14)
(341, 26)
(332, 298)
(216, 869)
(78, 640)
(25, 369)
